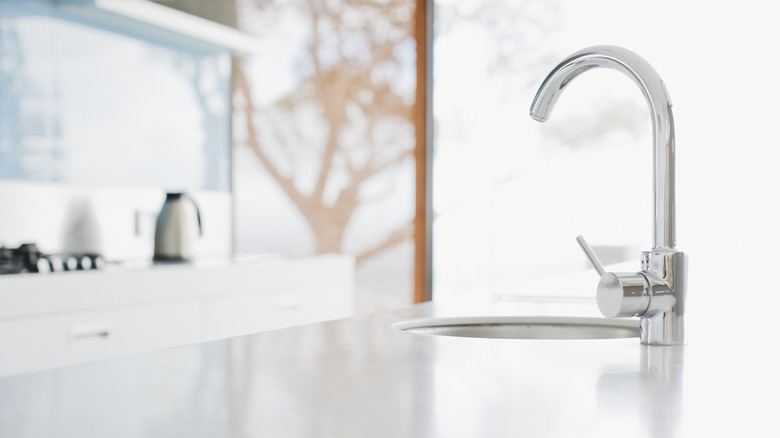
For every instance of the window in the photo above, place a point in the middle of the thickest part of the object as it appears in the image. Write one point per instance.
(325, 137)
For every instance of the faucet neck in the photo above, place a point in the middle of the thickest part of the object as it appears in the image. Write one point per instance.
(654, 90)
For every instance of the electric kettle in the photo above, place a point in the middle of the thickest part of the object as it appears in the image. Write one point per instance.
(178, 226)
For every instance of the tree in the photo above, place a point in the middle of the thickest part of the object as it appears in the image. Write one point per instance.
(350, 113)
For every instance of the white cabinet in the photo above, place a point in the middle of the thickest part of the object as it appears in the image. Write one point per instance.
(314, 290)
(75, 317)
(240, 314)
(31, 344)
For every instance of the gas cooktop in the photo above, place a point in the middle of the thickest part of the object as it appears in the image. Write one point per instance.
(27, 258)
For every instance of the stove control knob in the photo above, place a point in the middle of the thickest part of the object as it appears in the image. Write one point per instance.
(71, 263)
(43, 265)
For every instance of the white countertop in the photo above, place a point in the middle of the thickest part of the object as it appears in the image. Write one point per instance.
(359, 377)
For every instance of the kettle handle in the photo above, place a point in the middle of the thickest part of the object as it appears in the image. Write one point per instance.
(197, 214)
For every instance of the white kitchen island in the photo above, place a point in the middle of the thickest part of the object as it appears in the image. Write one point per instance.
(360, 377)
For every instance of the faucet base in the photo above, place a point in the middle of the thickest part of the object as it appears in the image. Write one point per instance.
(663, 323)
(666, 328)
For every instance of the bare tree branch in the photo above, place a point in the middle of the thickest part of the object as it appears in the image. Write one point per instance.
(252, 141)
(350, 65)
(403, 233)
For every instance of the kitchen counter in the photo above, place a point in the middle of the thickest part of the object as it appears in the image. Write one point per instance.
(66, 318)
(359, 377)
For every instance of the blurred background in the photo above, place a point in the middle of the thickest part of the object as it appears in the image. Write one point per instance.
(309, 142)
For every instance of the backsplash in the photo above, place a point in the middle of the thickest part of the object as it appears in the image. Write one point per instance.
(97, 123)
(84, 104)
(115, 222)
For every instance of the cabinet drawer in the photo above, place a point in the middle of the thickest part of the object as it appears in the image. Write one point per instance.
(241, 314)
(41, 343)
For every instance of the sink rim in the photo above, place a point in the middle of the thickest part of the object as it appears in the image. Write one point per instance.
(411, 325)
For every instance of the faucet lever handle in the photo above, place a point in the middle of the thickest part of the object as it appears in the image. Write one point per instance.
(621, 294)
(594, 260)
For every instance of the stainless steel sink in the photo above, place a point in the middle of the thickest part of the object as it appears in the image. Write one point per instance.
(523, 327)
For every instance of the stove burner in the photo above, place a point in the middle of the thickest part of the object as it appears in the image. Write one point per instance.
(28, 258)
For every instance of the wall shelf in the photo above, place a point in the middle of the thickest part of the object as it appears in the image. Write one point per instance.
(155, 20)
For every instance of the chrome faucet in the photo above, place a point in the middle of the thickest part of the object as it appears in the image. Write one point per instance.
(657, 292)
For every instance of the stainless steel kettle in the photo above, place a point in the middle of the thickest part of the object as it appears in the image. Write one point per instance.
(178, 225)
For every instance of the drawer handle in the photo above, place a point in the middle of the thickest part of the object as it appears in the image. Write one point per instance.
(90, 333)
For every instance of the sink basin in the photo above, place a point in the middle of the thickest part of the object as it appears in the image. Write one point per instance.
(523, 327)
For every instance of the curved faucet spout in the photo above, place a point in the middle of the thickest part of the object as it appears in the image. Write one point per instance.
(657, 97)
